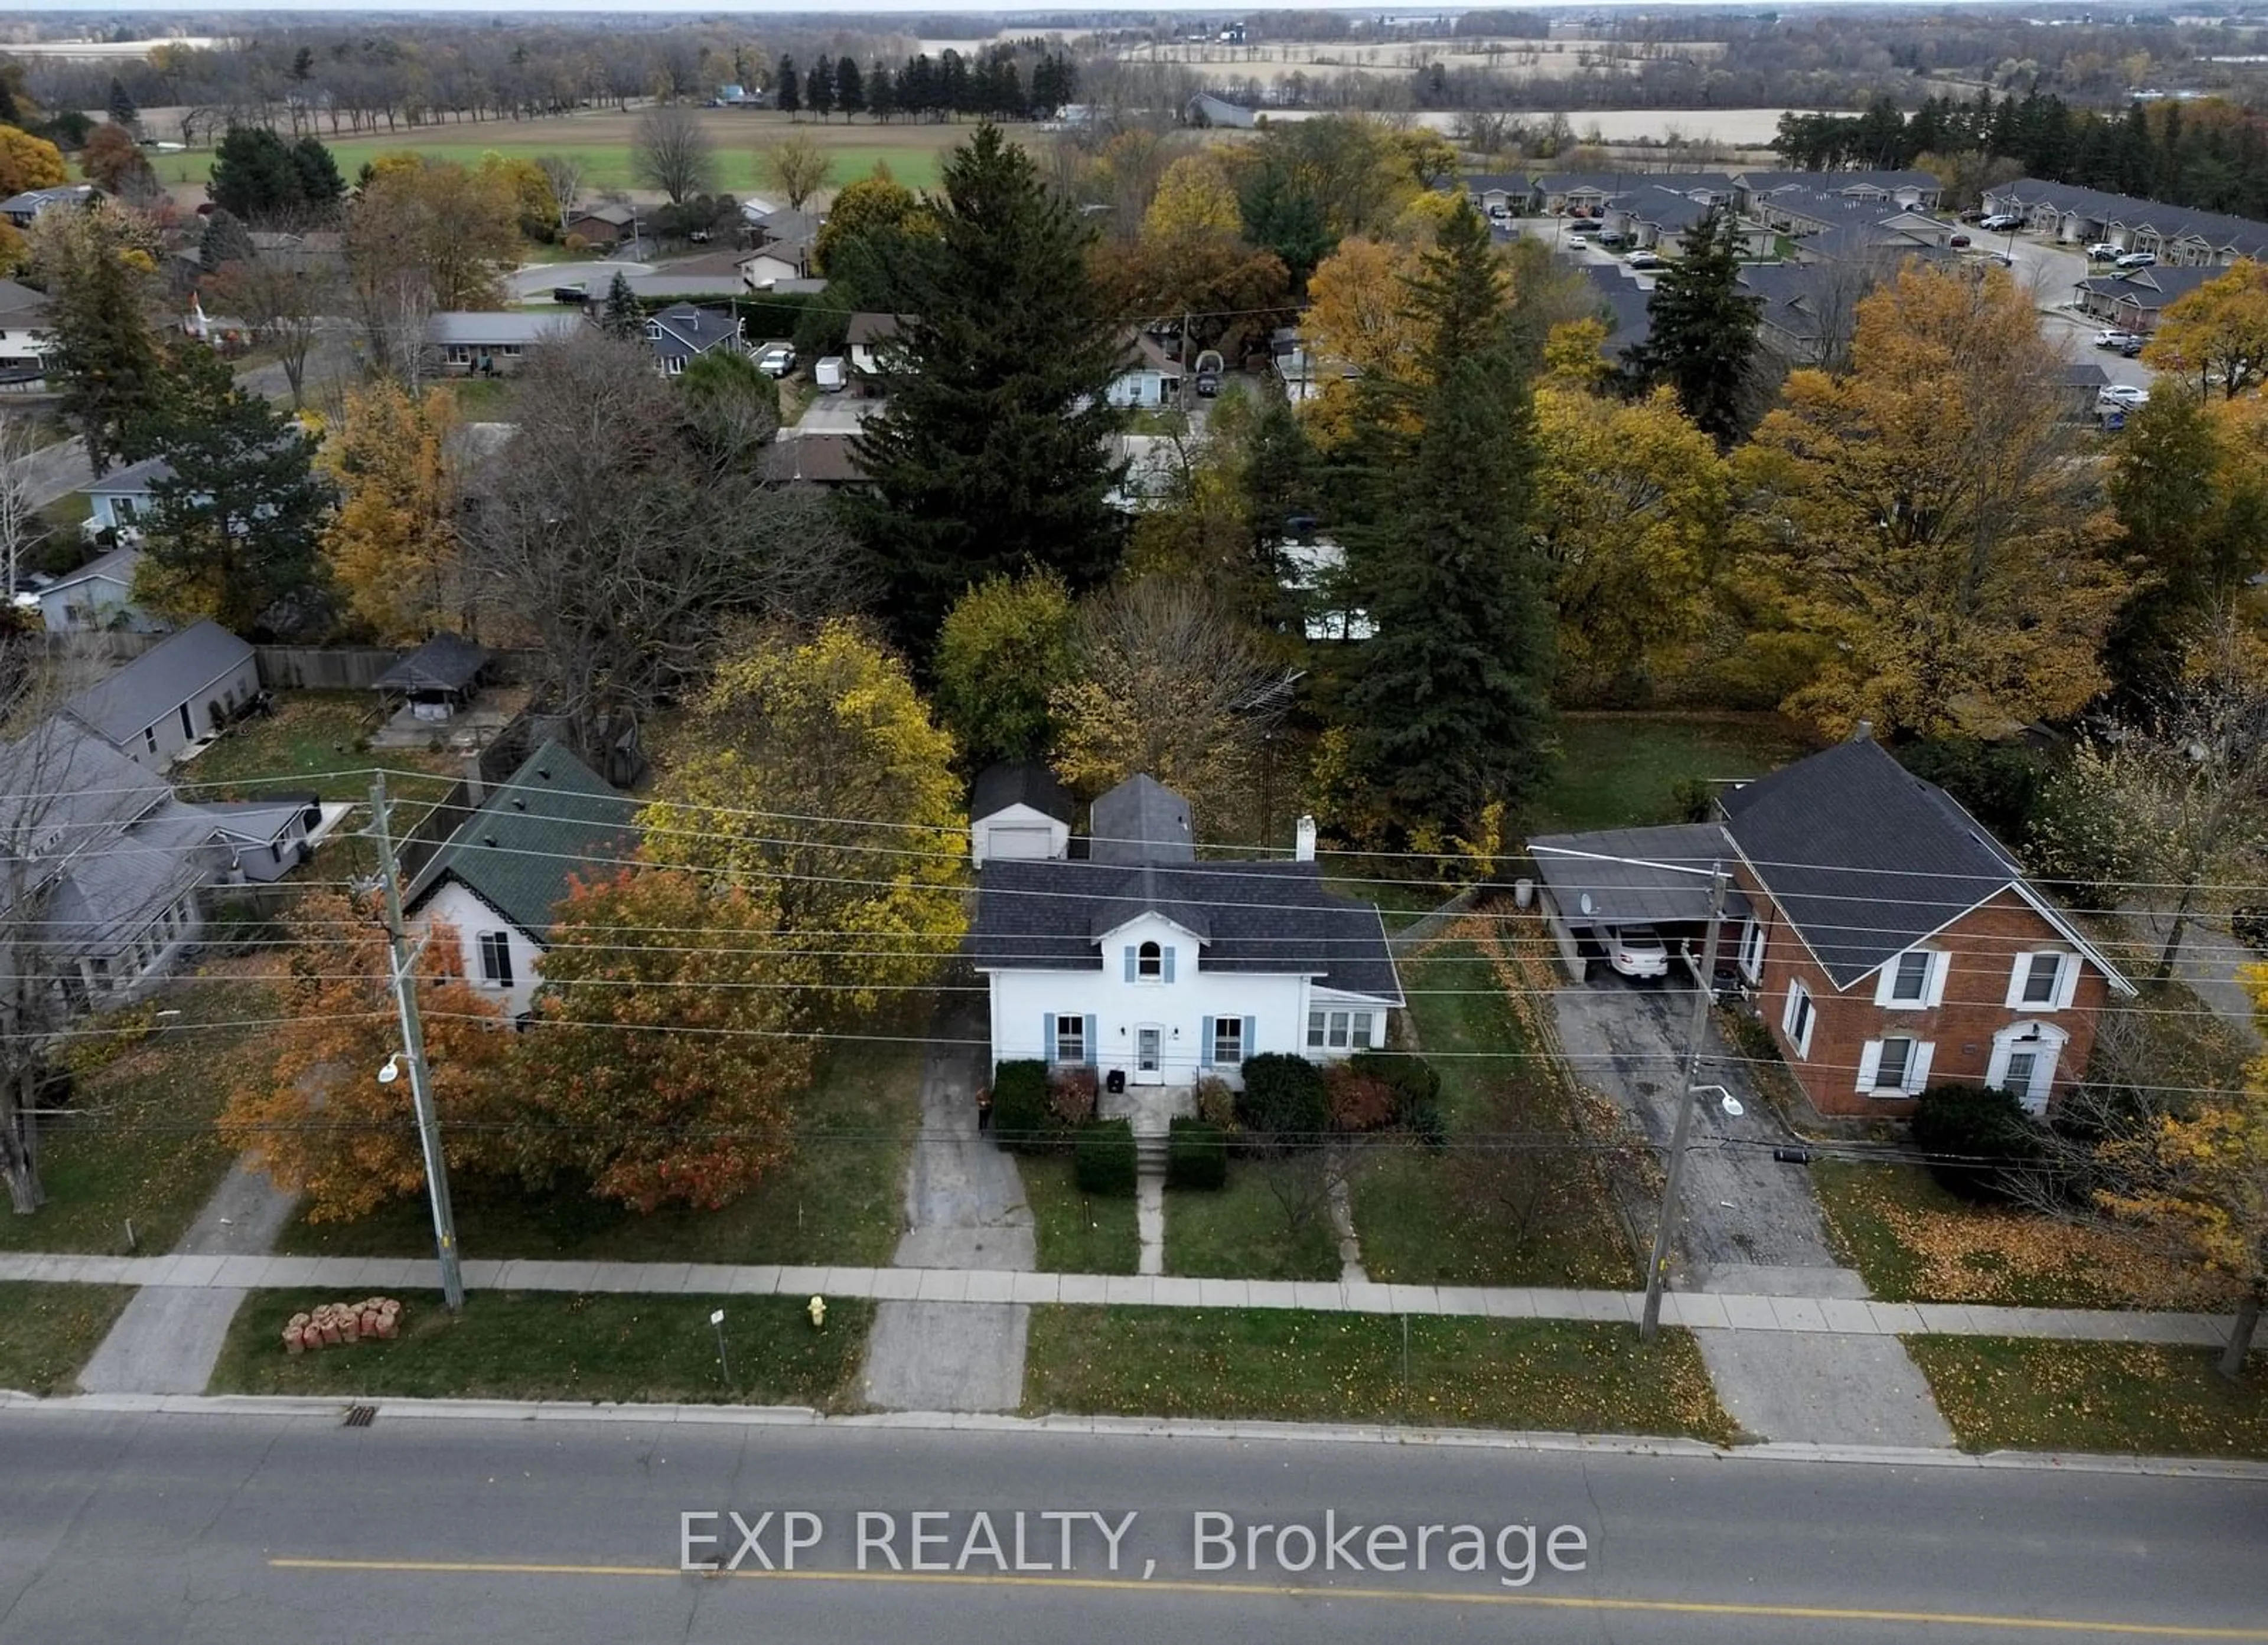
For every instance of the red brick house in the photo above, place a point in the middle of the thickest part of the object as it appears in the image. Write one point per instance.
(1893, 943)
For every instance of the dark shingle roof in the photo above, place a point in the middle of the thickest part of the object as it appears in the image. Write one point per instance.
(1255, 918)
(1141, 821)
(447, 662)
(1865, 858)
(1018, 783)
(556, 818)
(158, 681)
(1632, 875)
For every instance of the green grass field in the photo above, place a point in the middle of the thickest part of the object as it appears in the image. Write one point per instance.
(602, 139)
(48, 1332)
(526, 1345)
(1622, 770)
(2005, 1394)
(1244, 1230)
(836, 1201)
(1295, 1366)
(1076, 1233)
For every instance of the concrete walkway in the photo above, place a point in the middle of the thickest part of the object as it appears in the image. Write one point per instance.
(1782, 1316)
(941, 1348)
(168, 1338)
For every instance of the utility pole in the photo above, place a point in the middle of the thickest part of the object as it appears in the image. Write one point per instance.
(400, 958)
(1651, 1321)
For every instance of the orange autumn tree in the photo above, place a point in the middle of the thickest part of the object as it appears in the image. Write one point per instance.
(668, 1044)
(315, 1111)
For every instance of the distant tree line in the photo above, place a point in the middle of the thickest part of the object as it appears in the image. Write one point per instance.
(996, 82)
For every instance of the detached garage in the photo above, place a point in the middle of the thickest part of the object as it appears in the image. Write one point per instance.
(1018, 812)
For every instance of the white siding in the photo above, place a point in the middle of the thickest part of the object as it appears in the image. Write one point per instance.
(166, 731)
(1017, 831)
(453, 905)
(95, 602)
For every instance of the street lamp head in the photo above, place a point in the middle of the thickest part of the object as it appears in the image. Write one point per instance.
(390, 1071)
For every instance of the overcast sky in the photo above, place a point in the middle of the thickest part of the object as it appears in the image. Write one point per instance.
(482, 8)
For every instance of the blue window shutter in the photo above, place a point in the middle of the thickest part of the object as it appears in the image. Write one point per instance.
(1168, 967)
(1251, 1037)
(1091, 1047)
(1130, 965)
(1046, 1036)
(1204, 1045)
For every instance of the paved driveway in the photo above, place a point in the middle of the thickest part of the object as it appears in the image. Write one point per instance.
(1751, 1224)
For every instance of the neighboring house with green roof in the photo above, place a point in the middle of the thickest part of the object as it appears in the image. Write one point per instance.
(500, 877)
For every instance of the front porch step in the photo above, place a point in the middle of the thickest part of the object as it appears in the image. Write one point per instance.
(1149, 1154)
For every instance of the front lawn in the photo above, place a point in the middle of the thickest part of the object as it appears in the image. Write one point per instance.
(511, 1344)
(1268, 1223)
(48, 1332)
(138, 1144)
(1913, 1242)
(1294, 1365)
(1076, 1233)
(1622, 770)
(1411, 1223)
(2011, 1394)
(838, 1201)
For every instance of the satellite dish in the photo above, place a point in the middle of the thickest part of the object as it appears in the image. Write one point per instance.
(1732, 1106)
(1586, 903)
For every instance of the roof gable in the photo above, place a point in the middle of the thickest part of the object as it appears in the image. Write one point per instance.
(1018, 783)
(158, 681)
(556, 818)
(1141, 821)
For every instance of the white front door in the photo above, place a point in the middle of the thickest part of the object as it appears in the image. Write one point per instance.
(1149, 1069)
(2024, 1064)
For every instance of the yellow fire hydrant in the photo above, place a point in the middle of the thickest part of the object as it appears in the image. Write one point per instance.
(817, 1310)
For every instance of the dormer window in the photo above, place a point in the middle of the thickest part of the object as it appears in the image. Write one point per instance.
(1150, 963)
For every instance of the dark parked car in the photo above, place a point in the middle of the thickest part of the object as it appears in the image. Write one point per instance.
(1958, 241)
(570, 294)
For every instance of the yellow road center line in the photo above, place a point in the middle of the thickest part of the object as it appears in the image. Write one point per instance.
(1268, 1590)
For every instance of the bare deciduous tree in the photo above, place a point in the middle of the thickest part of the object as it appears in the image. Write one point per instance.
(797, 166)
(565, 174)
(624, 528)
(20, 528)
(283, 299)
(671, 151)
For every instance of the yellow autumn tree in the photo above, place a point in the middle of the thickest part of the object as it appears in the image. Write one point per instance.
(1194, 200)
(1630, 512)
(1573, 356)
(1927, 524)
(2217, 335)
(29, 162)
(1358, 312)
(815, 768)
(393, 544)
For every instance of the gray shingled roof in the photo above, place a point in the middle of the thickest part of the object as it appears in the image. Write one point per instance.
(56, 777)
(1018, 783)
(158, 681)
(556, 818)
(447, 662)
(1255, 918)
(1865, 858)
(1633, 876)
(125, 883)
(1141, 821)
(686, 330)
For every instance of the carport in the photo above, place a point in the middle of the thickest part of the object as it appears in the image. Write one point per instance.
(1620, 877)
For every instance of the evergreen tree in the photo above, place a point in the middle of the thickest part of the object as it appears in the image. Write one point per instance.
(952, 92)
(850, 89)
(819, 88)
(225, 240)
(321, 188)
(622, 317)
(791, 89)
(106, 354)
(255, 175)
(235, 526)
(1281, 215)
(1702, 340)
(881, 93)
(917, 86)
(988, 456)
(122, 111)
(1447, 703)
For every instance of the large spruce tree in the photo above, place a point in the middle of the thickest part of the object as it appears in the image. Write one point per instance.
(1702, 332)
(1447, 703)
(990, 456)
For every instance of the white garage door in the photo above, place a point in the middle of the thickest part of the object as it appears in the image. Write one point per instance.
(1013, 839)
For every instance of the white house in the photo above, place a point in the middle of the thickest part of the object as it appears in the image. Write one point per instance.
(180, 691)
(99, 595)
(873, 338)
(123, 499)
(1142, 962)
(26, 338)
(497, 881)
(483, 343)
(1018, 810)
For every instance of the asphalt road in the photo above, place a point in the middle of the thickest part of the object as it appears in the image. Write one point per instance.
(242, 1530)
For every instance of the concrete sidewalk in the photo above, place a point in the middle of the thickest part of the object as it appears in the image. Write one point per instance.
(1702, 1310)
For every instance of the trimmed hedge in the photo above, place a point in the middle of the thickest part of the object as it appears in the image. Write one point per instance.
(1283, 1104)
(1980, 1143)
(1022, 1121)
(1196, 1154)
(1103, 1160)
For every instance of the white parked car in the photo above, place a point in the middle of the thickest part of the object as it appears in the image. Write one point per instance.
(1646, 259)
(2114, 339)
(1638, 951)
(2101, 251)
(777, 360)
(2139, 259)
(2124, 396)
(2000, 223)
